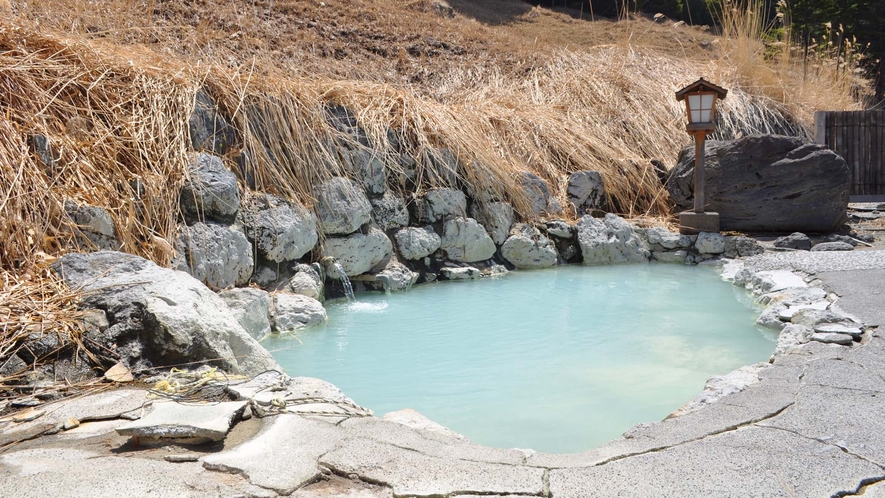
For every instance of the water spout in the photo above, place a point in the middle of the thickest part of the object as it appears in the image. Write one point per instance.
(345, 282)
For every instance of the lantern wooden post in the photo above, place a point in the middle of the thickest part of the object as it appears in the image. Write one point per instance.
(700, 106)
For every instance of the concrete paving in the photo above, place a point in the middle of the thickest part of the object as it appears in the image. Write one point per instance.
(811, 426)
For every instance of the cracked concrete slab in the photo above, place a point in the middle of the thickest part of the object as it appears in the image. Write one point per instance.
(849, 418)
(410, 473)
(754, 461)
(282, 456)
(436, 444)
(71, 472)
(862, 292)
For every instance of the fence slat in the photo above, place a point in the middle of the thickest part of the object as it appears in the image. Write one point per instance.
(873, 127)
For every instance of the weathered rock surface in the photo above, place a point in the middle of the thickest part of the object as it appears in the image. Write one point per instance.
(416, 243)
(396, 277)
(560, 229)
(527, 248)
(586, 192)
(160, 316)
(466, 241)
(710, 243)
(251, 307)
(670, 256)
(281, 230)
(389, 211)
(538, 193)
(611, 240)
(193, 423)
(211, 190)
(360, 253)
(768, 183)
(209, 130)
(662, 239)
(217, 255)
(291, 312)
(95, 225)
(496, 217)
(342, 207)
(368, 167)
(307, 282)
(442, 204)
(415, 420)
(795, 240)
(742, 247)
(833, 246)
(462, 273)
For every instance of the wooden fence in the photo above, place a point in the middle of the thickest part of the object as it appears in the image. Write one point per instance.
(859, 137)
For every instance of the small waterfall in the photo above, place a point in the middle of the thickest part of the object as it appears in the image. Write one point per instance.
(345, 282)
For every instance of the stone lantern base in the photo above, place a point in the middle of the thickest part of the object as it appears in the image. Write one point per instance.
(691, 223)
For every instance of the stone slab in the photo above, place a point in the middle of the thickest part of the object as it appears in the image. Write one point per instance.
(862, 292)
(282, 456)
(410, 473)
(170, 420)
(759, 462)
(840, 339)
(691, 223)
(839, 328)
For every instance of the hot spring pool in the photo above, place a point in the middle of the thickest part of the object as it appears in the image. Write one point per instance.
(557, 360)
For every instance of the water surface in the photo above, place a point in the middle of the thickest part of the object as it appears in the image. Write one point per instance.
(557, 360)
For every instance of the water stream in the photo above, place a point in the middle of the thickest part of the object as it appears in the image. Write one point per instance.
(557, 360)
(345, 282)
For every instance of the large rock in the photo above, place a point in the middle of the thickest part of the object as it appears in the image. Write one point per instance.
(209, 130)
(833, 246)
(710, 243)
(442, 204)
(768, 183)
(738, 246)
(416, 243)
(219, 256)
(307, 281)
(796, 240)
(368, 167)
(396, 277)
(281, 230)
(611, 240)
(251, 307)
(291, 312)
(466, 240)
(527, 248)
(390, 211)
(185, 423)
(496, 217)
(538, 194)
(95, 225)
(342, 207)
(662, 239)
(587, 192)
(359, 253)
(210, 192)
(159, 316)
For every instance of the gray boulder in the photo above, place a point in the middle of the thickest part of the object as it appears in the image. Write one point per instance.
(662, 239)
(768, 183)
(442, 204)
(396, 277)
(159, 316)
(538, 194)
(219, 256)
(833, 246)
(710, 243)
(360, 253)
(743, 247)
(342, 207)
(463, 273)
(95, 226)
(496, 217)
(307, 281)
(366, 165)
(796, 240)
(389, 211)
(560, 229)
(611, 240)
(251, 307)
(210, 192)
(416, 243)
(527, 248)
(586, 192)
(292, 312)
(209, 130)
(466, 241)
(281, 230)
(670, 256)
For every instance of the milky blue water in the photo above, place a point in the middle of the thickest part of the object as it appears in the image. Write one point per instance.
(557, 360)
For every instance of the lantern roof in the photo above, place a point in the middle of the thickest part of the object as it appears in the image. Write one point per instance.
(702, 85)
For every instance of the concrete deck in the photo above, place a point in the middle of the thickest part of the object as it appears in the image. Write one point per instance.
(812, 426)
